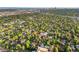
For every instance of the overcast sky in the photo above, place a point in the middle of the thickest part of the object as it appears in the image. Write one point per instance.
(39, 3)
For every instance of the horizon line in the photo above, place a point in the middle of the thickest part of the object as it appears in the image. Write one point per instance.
(45, 7)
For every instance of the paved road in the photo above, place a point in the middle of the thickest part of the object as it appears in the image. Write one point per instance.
(2, 49)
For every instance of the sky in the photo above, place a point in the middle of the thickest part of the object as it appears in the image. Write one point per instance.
(40, 3)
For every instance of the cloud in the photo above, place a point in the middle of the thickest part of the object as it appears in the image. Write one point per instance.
(39, 3)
